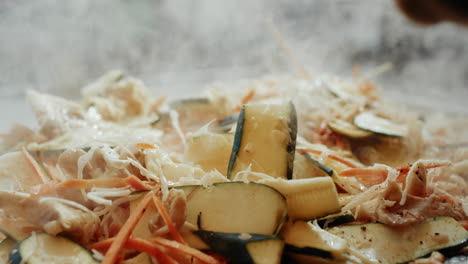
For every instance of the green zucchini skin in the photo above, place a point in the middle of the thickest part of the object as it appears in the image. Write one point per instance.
(237, 141)
(231, 202)
(72, 248)
(336, 221)
(326, 169)
(231, 245)
(308, 251)
(291, 148)
(263, 121)
(389, 247)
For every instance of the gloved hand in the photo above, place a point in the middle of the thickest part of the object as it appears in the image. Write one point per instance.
(429, 12)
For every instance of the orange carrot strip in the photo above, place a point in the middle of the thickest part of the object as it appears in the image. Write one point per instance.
(137, 244)
(363, 172)
(136, 183)
(90, 183)
(332, 156)
(368, 176)
(405, 169)
(167, 219)
(34, 166)
(131, 180)
(126, 230)
(428, 166)
(176, 246)
(248, 97)
(145, 146)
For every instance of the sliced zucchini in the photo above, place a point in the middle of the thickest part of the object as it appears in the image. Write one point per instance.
(5, 248)
(308, 243)
(319, 165)
(237, 207)
(370, 122)
(226, 125)
(307, 198)
(307, 167)
(265, 139)
(347, 129)
(210, 151)
(328, 222)
(200, 103)
(244, 247)
(43, 248)
(385, 244)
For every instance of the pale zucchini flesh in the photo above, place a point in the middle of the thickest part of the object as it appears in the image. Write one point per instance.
(305, 242)
(347, 129)
(386, 244)
(371, 122)
(211, 151)
(5, 248)
(265, 140)
(305, 168)
(307, 198)
(43, 248)
(237, 207)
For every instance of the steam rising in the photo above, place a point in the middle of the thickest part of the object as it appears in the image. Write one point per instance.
(178, 46)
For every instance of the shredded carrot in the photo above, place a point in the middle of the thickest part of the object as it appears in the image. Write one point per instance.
(167, 219)
(137, 244)
(379, 175)
(248, 97)
(369, 176)
(34, 166)
(131, 180)
(145, 146)
(332, 156)
(179, 247)
(126, 230)
(405, 169)
(428, 166)
(364, 172)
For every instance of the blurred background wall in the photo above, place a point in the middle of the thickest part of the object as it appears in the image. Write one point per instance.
(177, 47)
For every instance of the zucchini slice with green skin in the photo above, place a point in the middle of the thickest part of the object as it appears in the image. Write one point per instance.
(5, 248)
(347, 129)
(328, 222)
(386, 244)
(42, 248)
(307, 198)
(308, 243)
(210, 151)
(370, 122)
(265, 139)
(225, 125)
(326, 169)
(307, 167)
(237, 207)
(244, 247)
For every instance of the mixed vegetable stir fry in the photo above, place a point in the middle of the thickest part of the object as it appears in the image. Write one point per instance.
(276, 170)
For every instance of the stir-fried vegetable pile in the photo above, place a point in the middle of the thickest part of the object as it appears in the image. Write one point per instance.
(281, 169)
